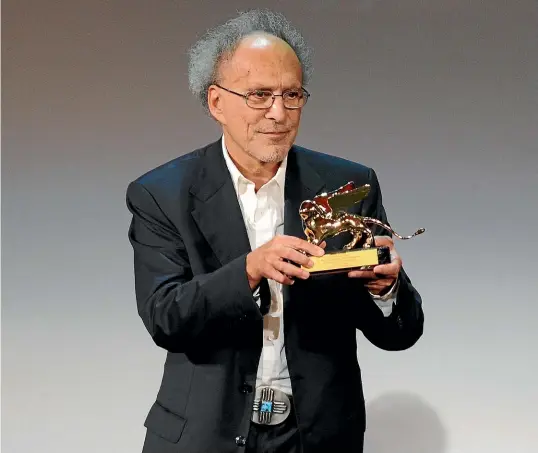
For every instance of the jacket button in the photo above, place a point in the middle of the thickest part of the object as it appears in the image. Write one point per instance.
(245, 388)
(240, 441)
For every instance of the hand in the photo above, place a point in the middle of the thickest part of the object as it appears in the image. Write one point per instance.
(382, 276)
(271, 260)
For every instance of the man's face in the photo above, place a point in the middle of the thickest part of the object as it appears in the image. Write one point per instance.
(260, 62)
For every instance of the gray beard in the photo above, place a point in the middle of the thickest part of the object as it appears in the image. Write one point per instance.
(276, 156)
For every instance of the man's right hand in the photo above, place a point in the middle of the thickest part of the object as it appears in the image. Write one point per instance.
(269, 260)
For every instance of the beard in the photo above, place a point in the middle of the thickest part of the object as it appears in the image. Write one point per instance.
(273, 152)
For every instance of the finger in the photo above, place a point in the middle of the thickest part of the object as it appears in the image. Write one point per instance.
(383, 240)
(300, 244)
(366, 274)
(294, 256)
(323, 245)
(279, 277)
(392, 268)
(378, 288)
(291, 270)
(379, 284)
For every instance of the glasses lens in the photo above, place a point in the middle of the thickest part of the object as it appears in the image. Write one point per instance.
(295, 99)
(260, 99)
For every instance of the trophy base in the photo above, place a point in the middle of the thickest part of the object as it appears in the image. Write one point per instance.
(345, 261)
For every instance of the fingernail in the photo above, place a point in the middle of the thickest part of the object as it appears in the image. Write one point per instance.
(310, 263)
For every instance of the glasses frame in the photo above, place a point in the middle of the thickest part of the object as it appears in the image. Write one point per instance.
(273, 95)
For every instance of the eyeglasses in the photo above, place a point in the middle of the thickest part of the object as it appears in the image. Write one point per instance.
(263, 99)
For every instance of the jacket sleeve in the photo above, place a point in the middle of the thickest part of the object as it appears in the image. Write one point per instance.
(404, 326)
(175, 305)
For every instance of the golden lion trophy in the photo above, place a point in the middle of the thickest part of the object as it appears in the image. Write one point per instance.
(325, 216)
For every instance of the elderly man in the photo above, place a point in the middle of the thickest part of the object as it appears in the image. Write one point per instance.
(261, 356)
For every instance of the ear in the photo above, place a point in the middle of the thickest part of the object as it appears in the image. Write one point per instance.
(214, 102)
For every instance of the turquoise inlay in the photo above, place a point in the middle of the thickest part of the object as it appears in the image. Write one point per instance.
(266, 406)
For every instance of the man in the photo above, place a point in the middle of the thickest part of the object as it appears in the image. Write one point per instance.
(261, 355)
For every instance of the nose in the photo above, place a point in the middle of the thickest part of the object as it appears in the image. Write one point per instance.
(277, 111)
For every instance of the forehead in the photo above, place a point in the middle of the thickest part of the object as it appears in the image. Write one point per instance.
(263, 60)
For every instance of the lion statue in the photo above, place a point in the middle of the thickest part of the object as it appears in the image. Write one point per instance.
(325, 216)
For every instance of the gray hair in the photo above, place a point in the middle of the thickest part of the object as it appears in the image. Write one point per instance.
(221, 41)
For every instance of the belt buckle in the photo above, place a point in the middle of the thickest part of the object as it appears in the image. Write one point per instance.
(271, 406)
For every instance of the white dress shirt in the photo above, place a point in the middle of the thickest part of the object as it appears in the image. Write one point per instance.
(263, 214)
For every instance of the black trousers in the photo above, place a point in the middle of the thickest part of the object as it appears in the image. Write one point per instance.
(283, 438)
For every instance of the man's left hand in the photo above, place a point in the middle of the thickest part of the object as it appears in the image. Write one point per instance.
(381, 278)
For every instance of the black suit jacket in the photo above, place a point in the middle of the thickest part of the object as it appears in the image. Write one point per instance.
(190, 246)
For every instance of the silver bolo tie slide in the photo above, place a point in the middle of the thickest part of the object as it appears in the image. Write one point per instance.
(271, 406)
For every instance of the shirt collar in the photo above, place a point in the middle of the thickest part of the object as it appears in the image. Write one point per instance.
(238, 177)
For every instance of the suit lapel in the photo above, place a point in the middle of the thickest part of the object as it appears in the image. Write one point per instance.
(302, 183)
(218, 214)
(216, 208)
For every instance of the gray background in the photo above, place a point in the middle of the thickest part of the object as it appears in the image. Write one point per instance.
(440, 97)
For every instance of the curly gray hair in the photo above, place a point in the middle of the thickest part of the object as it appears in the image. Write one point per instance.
(220, 42)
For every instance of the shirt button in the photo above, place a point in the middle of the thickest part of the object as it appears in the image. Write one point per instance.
(241, 441)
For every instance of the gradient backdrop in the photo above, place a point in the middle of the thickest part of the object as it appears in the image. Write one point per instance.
(440, 97)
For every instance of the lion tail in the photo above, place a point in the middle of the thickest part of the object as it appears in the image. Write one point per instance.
(388, 228)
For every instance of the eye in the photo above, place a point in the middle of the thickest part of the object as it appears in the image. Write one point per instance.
(292, 94)
(261, 94)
